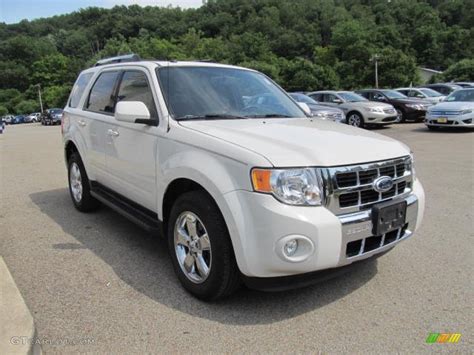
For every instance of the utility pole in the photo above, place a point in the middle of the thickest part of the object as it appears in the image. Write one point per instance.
(39, 95)
(375, 58)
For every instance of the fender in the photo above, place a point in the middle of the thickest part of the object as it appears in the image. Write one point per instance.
(74, 135)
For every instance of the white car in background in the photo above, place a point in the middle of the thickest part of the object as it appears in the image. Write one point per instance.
(427, 94)
(457, 110)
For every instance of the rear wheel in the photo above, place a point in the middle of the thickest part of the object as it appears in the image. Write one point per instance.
(79, 186)
(200, 247)
(355, 119)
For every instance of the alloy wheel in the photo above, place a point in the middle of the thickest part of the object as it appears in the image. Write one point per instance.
(75, 181)
(192, 247)
(354, 120)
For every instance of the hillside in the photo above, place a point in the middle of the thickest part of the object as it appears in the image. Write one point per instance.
(304, 44)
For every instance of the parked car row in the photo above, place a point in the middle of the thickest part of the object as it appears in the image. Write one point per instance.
(370, 107)
(48, 117)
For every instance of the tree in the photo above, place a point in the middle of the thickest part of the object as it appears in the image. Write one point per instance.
(27, 106)
(461, 71)
(3, 110)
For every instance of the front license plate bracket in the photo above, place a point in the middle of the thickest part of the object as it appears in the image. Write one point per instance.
(388, 216)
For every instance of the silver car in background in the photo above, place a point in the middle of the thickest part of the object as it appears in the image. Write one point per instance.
(318, 110)
(457, 110)
(427, 94)
(359, 111)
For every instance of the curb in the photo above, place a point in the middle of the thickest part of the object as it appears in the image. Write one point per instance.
(17, 328)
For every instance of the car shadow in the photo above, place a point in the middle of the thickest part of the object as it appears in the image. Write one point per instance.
(444, 130)
(141, 260)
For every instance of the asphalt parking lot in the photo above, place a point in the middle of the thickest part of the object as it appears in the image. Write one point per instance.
(105, 285)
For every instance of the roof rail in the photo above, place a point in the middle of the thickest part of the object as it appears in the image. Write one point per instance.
(119, 59)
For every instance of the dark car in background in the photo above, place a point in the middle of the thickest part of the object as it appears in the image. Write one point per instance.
(317, 110)
(465, 84)
(18, 119)
(52, 116)
(407, 109)
(443, 88)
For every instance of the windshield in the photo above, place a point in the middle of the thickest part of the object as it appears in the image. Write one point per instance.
(430, 92)
(351, 97)
(303, 98)
(55, 111)
(392, 94)
(223, 93)
(466, 95)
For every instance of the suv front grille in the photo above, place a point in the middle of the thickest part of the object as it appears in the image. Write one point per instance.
(351, 187)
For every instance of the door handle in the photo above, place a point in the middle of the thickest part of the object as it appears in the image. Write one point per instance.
(113, 133)
(82, 123)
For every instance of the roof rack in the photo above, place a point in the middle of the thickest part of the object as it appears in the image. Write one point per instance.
(119, 59)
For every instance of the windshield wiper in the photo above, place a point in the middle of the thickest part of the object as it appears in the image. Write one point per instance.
(221, 116)
(270, 115)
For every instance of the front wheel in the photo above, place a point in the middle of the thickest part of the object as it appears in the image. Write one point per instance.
(400, 116)
(355, 119)
(200, 247)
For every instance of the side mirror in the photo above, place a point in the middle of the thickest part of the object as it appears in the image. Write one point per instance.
(133, 112)
(305, 108)
(337, 101)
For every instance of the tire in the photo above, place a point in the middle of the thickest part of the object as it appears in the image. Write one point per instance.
(79, 186)
(400, 116)
(355, 119)
(223, 277)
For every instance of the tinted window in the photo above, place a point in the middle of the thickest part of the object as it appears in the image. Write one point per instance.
(78, 88)
(101, 98)
(134, 87)
(329, 97)
(316, 97)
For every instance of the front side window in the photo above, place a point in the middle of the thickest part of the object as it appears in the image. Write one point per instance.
(430, 92)
(134, 87)
(330, 98)
(101, 98)
(79, 88)
(220, 93)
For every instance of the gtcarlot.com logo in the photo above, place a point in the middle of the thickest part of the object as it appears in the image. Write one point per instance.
(443, 338)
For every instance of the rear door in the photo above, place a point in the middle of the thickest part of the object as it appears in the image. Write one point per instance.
(131, 149)
(98, 112)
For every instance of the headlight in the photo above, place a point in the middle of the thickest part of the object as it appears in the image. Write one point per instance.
(374, 109)
(300, 187)
(465, 112)
(416, 106)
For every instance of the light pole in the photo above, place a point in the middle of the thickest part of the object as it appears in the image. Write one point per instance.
(375, 58)
(39, 95)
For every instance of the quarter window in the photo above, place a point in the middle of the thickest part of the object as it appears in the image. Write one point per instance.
(79, 88)
(134, 87)
(101, 97)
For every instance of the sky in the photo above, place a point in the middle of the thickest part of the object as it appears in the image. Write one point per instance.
(12, 11)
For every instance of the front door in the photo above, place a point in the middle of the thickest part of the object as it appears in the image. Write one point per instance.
(131, 148)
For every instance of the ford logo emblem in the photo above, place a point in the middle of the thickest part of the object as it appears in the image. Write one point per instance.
(383, 184)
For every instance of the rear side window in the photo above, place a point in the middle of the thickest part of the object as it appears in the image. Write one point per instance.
(102, 98)
(134, 87)
(79, 88)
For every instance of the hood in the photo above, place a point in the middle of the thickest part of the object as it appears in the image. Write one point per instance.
(302, 141)
(368, 104)
(453, 106)
(412, 101)
(315, 107)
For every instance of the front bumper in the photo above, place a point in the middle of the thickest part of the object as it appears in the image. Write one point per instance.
(466, 120)
(380, 118)
(261, 225)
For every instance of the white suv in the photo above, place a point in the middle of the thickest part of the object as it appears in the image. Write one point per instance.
(248, 192)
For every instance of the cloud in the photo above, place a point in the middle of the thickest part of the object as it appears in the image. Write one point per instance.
(180, 3)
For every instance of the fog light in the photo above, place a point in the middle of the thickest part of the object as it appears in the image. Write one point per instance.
(291, 247)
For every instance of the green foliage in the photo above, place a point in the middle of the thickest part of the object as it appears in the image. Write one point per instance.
(461, 71)
(3, 110)
(303, 45)
(26, 107)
